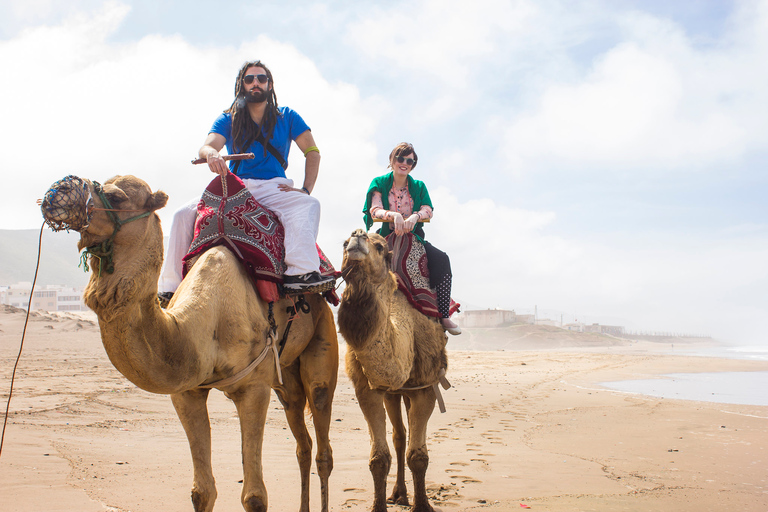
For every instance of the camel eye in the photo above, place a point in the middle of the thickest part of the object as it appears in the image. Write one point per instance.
(114, 199)
(346, 243)
(379, 248)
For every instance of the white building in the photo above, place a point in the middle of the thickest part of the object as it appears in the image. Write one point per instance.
(49, 298)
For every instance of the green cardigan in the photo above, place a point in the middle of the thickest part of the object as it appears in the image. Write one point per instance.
(383, 184)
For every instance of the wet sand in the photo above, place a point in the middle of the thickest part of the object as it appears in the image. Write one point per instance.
(523, 427)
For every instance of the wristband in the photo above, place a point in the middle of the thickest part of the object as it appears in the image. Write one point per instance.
(305, 190)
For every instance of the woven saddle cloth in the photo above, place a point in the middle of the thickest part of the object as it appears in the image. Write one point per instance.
(228, 215)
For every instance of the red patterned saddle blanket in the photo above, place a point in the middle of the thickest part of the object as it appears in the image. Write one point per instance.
(409, 263)
(228, 215)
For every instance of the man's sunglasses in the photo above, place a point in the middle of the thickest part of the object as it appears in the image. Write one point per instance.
(401, 159)
(248, 79)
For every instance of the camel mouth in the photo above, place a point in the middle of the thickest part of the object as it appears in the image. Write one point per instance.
(356, 252)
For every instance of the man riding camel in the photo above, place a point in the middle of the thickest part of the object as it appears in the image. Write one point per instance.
(255, 124)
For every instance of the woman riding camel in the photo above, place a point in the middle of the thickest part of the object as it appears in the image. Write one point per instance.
(403, 203)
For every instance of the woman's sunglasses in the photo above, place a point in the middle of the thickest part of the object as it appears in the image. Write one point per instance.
(248, 79)
(401, 159)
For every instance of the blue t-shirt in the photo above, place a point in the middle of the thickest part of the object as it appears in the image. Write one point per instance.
(289, 125)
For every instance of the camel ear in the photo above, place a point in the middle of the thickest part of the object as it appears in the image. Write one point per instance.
(115, 194)
(156, 201)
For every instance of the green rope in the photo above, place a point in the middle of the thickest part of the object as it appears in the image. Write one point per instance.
(102, 252)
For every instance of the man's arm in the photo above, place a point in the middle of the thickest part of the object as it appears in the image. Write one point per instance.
(210, 151)
(312, 162)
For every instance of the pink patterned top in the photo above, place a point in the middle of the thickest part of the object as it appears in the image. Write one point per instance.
(401, 201)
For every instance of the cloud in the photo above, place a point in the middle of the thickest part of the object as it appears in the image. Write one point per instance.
(83, 104)
(489, 94)
(654, 101)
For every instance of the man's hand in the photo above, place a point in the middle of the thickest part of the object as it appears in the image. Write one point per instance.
(210, 153)
(286, 188)
(216, 163)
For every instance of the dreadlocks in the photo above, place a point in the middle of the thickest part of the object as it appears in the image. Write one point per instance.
(244, 129)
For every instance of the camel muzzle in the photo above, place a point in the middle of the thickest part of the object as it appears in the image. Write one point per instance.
(357, 248)
(66, 204)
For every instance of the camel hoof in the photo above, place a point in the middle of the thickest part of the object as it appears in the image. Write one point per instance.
(254, 504)
(399, 499)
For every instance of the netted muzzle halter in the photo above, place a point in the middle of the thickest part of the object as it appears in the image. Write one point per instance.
(68, 205)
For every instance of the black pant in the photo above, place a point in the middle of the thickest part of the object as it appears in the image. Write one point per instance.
(440, 277)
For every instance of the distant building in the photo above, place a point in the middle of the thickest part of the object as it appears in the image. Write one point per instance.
(526, 319)
(487, 318)
(17, 295)
(613, 330)
(50, 298)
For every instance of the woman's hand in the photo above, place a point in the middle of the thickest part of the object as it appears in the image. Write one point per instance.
(411, 222)
(399, 223)
(403, 226)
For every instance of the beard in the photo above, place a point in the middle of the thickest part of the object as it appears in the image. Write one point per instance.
(256, 96)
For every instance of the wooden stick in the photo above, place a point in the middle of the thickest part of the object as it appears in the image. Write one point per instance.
(392, 222)
(238, 156)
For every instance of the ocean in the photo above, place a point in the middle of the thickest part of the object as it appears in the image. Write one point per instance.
(747, 388)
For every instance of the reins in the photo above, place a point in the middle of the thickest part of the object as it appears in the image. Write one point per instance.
(104, 250)
(23, 334)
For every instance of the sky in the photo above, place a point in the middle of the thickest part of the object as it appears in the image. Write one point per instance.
(600, 161)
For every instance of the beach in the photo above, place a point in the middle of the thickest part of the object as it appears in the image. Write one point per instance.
(527, 426)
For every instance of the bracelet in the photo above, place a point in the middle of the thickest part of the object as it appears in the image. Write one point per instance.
(311, 148)
(305, 190)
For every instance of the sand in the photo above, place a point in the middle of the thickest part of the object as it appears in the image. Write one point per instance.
(523, 427)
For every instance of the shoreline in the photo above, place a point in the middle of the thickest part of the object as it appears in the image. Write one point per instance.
(524, 426)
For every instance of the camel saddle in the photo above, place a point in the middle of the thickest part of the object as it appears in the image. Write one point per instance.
(409, 263)
(228, 215)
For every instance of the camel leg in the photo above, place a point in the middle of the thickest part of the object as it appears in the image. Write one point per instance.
(252, 402)
(419, 408)
(293, 398)
(371, 403)
(319, 364)
(193, 413)
(399, 494)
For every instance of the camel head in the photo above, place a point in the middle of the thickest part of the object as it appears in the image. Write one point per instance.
(367, 254)
(117, 203)
(119, 231)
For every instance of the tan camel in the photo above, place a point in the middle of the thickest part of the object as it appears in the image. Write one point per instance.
(213, 328)
(393, 351)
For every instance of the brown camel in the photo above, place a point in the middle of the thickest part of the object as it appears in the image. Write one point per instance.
(393, 351)
(215, 326)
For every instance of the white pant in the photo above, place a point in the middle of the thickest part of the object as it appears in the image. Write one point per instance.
(298, 213)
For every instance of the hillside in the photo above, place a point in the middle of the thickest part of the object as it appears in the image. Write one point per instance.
(527, 337)
(59, 258)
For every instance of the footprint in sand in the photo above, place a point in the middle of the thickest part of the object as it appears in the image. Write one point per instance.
(467, 479)
(459, 463)
(483, 464)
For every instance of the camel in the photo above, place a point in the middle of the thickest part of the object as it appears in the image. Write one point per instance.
(393, 351)
(215, 326)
